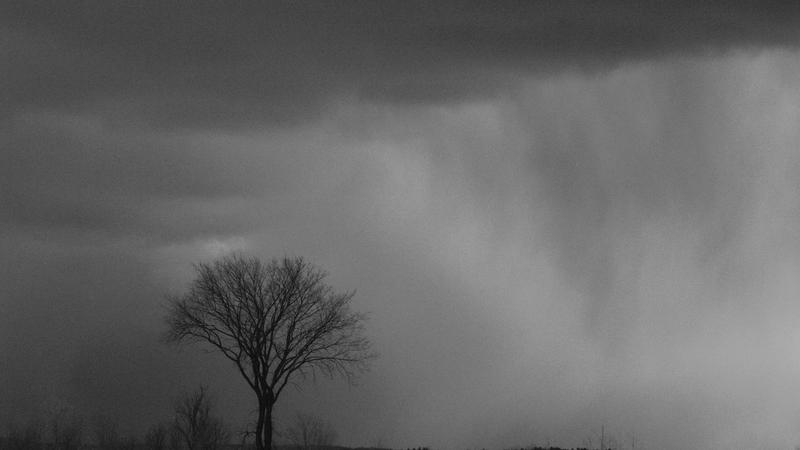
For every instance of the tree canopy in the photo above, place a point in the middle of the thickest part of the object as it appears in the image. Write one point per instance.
(277, 322)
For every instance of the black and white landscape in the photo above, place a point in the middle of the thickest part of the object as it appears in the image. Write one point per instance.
(568, 223)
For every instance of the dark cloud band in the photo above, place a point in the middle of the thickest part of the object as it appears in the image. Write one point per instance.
(176, 64)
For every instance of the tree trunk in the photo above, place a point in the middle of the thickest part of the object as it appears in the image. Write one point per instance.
(264, 424)
(268, 427)
(260, 425)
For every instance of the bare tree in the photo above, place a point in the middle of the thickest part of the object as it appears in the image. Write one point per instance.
(66, 430)
(106, 434)
(632, 437)
(310, 432)
(129, 443)
(157, 437)
(174, 439)
(276, 322)
(196, 426)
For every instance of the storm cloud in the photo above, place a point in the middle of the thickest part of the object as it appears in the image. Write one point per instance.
(212, 65)
(559, 215)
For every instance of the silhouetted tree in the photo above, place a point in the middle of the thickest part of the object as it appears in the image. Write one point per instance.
(275, 321)
(66, 430)
(174, 439)
(157, 437)
(196, 426)
(106, 433)
(310, 432)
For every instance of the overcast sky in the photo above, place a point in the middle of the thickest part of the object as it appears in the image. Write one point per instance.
(559, 215)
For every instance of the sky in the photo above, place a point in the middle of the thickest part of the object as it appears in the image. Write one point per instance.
(561, 217)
